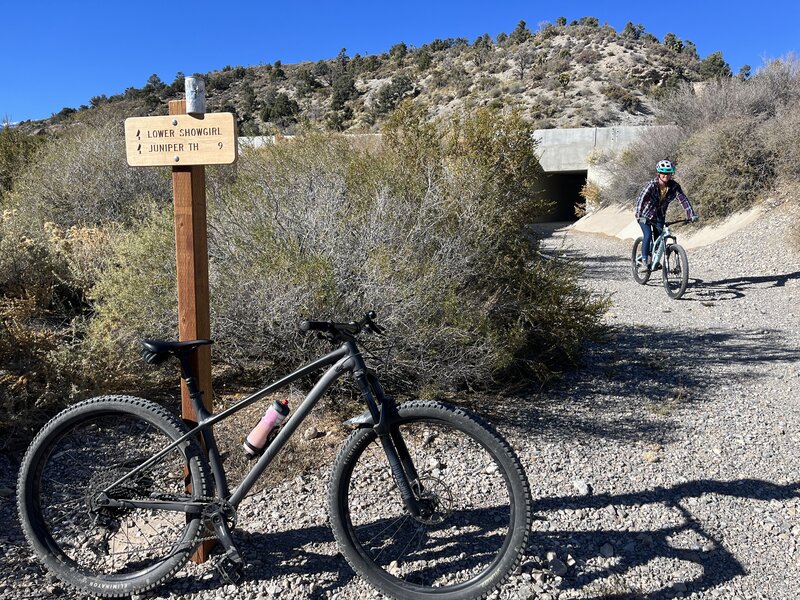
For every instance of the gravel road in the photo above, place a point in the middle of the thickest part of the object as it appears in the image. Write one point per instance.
(666, 466)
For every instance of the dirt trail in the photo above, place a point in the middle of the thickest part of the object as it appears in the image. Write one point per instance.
(669, 465)
(666, 466)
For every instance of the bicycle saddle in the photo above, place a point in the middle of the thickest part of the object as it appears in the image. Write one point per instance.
(155, 352)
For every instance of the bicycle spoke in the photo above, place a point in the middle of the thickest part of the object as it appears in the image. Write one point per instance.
(469, 520)
(84, 463)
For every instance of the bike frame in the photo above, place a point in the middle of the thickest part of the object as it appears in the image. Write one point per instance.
(661, 242)
(346, 359)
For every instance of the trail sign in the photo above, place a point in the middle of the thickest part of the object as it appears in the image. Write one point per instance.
(181, 140)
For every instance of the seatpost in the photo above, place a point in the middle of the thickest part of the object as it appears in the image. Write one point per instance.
(196, 396)
(207, 439)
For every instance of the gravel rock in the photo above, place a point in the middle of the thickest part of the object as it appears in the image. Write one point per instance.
(582, 487)
(682, 428)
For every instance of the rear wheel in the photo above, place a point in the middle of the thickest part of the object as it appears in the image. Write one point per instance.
(472, 486)
(73, 476)
(675, 272)
(640, 277)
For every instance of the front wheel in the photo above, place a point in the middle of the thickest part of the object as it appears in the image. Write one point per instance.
(81, 460)
(476, 527)
(640, 277)
(675, 274)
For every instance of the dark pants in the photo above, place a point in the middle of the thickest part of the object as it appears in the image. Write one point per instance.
(650, 231)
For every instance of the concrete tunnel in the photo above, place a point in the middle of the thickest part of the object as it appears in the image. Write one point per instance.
(563, 189)
(571, 157)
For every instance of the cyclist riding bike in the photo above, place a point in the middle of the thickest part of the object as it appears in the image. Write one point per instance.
(651, 207)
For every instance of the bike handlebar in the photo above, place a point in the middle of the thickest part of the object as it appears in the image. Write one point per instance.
(346, 330)
(678, 221)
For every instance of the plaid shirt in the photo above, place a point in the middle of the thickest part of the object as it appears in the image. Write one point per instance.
(650, 206)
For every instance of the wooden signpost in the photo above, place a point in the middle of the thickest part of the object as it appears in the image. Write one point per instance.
(188, 142)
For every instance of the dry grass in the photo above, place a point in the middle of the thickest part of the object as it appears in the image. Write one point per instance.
(671, 403)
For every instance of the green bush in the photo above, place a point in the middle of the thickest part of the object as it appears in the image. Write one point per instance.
(82, 178)
(427, 231)
(727, 166)
(390, 94)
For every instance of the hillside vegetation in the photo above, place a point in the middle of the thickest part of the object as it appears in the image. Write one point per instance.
(735, 142)
(562, 75)
(428, 227)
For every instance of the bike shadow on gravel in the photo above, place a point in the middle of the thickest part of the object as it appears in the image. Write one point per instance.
(736, 287)
(628, 385)
(270, 558)
(277, 561)
(288, 554)
(603, 557)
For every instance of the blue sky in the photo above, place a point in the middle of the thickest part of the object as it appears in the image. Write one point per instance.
(61, 54)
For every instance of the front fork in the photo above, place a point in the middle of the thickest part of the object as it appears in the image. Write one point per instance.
(384, 417)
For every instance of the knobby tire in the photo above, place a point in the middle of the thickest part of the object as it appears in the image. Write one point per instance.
(110, 552)
(478, 531)
(636, 254)
(675, 272)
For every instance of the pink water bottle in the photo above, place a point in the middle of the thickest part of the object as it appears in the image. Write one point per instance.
(274, 416)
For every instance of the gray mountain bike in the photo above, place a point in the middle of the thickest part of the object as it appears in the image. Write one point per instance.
(668, 257)
(426, 500)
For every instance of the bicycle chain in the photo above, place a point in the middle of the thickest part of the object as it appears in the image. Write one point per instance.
(208, 501)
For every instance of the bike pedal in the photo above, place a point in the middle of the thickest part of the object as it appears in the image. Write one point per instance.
(232, 572)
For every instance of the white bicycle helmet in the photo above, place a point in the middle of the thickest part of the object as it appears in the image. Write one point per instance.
(664, 166)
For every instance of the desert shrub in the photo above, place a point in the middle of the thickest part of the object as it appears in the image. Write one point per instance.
(592, 193)
(634, 166)
(427, 231)
(83, 178)
(41, 302)
(760, 97)
(731, 139)
(727, 167)
(390, 94)
(782, 140)
(625, 99)
(135, 299)
(588, 56)
(16, 149)
(280, 109)
(28, 269)
(56, 233)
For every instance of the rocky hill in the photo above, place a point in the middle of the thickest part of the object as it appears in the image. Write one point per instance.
(562, 75)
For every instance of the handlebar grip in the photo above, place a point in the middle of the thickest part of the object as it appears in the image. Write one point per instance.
(314, 326)
(347, 329)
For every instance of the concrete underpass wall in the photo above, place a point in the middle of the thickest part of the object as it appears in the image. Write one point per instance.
(566, 156)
